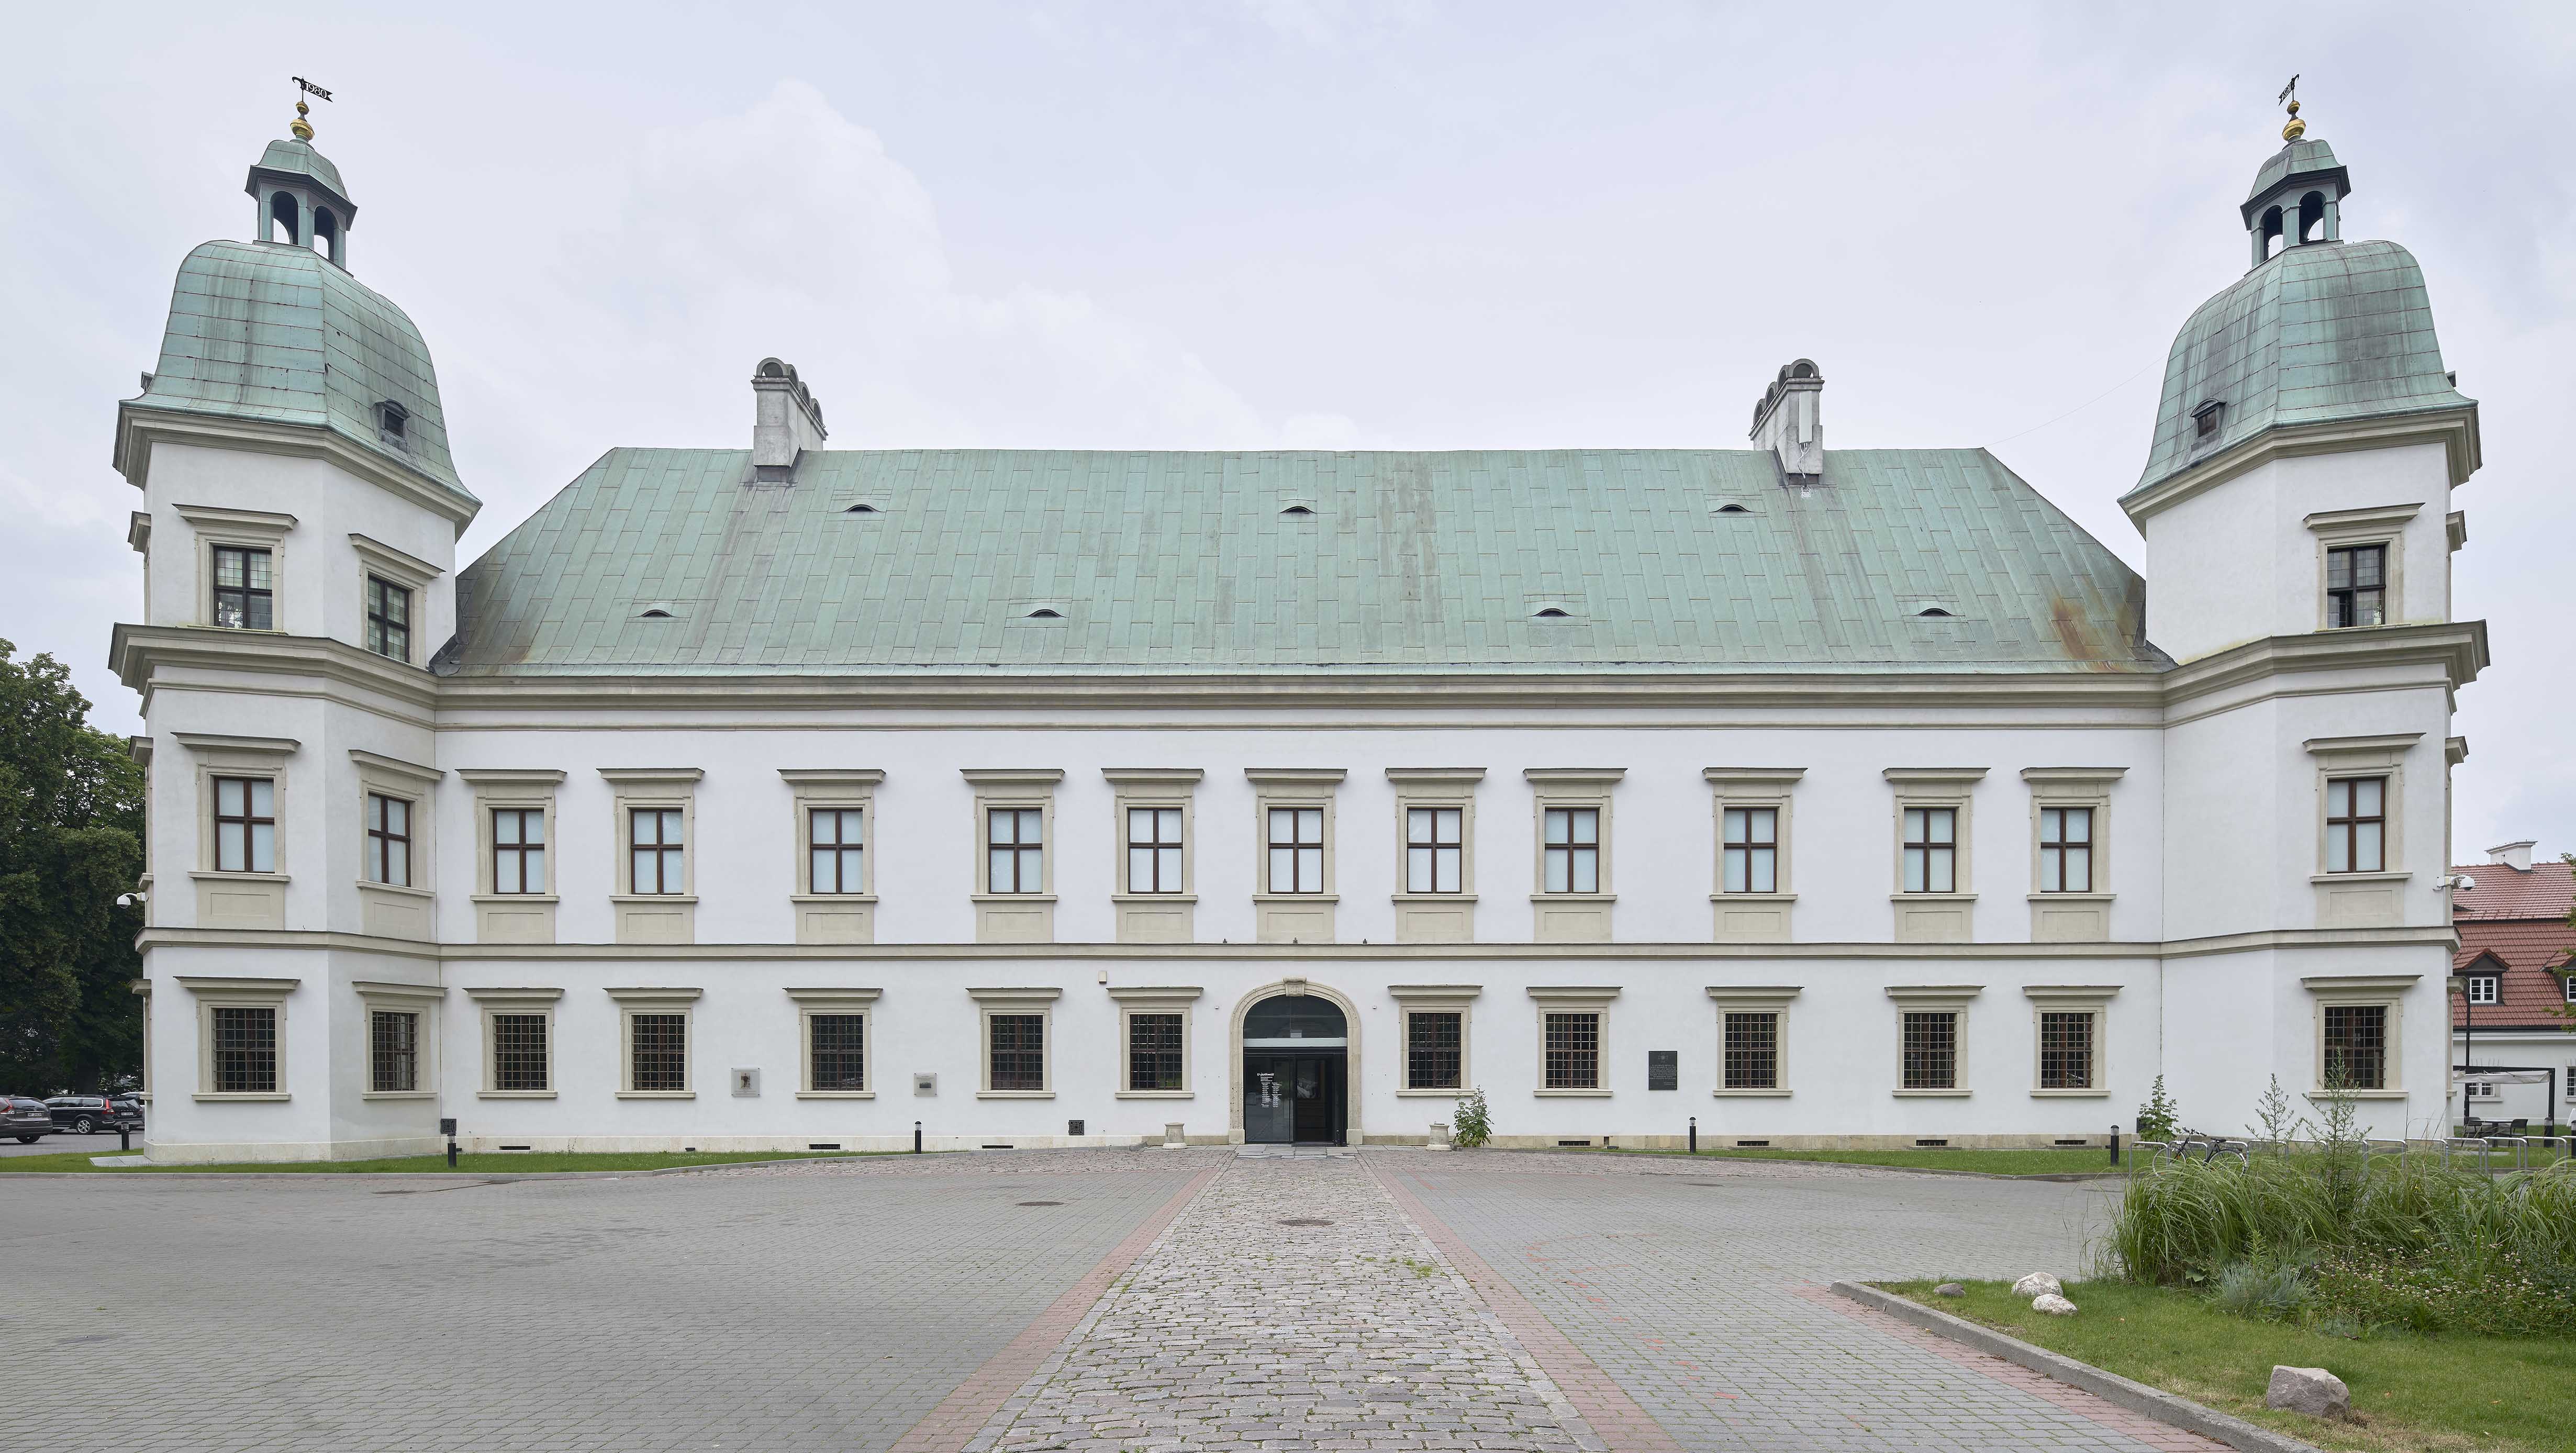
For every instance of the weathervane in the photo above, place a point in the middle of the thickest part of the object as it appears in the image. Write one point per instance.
(2292, 131)
(303, 129)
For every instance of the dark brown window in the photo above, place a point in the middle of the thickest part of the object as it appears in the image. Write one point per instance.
(1153, 850)
(1574, 1050)
(519, 1057)
(1296, 850)
(244, 597)
(1752, 850)
(659, 865)
(388, 840)
(1019, 1051)
(1752, 1049)
(1435, 852)
(2356, 585)
(518, 850)
(2066, 850)
(1154, 1052)
(1931, 1049)
(1931, 850)
(2066, 1050)
(245, 1051)
(2356, 824)
(1434, 1045)
(388, 618)
(838, 850)
(2357, 1046)
(840, 1051)
(245, 825)
(394, 1044)
(1016, 847)
(659, 1046)
(1570, 849)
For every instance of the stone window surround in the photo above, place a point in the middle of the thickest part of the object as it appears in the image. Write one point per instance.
(1755, 917)
(833, 917)
(1037, 1001)
(634, 1001)
(1155, 917)
(2362, 900)
(512, 787)
(1952, 918)
(1772, 999)
(1928, 999)
(238, 756)
(835, 1000)
(215, 992)
(376, 997)
(1589, 920)
(1591, 999)
(2383, 525)
(1435, 917)
(1283, 917)
(418, 786)
(1149, 999)
(497, 1001)
(396, 568)
(1458, 999)
(244, 529)
(2342, 990)
(2087, 787)
(651, 917)
(1013, 917)
(2093, 999)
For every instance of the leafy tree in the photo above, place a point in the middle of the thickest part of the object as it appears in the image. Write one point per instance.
(71, 840)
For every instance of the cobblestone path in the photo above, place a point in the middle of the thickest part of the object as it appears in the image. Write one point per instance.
(1291, 1306)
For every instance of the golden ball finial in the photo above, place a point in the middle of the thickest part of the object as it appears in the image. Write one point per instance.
(2291, 131)
(302, 128)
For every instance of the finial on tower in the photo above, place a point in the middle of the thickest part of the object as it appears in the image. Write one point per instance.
(301, 128)
(2294, 128)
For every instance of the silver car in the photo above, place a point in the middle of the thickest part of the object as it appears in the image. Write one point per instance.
(29, 1120)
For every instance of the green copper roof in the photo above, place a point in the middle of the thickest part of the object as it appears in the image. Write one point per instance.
(298, 158)
(278, 333)
(2304, 157)
(1198, 562)
(2321, 332)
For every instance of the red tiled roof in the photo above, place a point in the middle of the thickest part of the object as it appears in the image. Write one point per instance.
(2547, 891)
(2528, 994)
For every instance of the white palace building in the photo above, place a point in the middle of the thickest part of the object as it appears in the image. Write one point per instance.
(782, 796)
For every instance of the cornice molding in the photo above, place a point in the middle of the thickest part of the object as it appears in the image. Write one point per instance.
(140, 426)
(2455, 429)
(2458, 647)
(137, 652)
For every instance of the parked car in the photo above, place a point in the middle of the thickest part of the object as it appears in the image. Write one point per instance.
(82, 1114)
(27, 1119)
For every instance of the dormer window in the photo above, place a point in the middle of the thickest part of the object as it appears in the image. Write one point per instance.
(393, 421)
(2206, 419)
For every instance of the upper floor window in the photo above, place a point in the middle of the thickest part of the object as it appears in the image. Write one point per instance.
(1752, 850)
(837, 845)
(2356, 824)
(1296, 843)
(1570, 850)
(2066, 850)
(2356, 585)
(1016, 849)
(245, 825)
(388, 618)
(2482, 989)
(245, 597)
(1154, 852)
(518, 850)
(660, 862)
(388, 840)
(1434, 849)
(1931, 850)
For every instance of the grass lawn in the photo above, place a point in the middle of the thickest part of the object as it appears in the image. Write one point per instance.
(2095, 1161)
(519, 1162)
(2434, 1394)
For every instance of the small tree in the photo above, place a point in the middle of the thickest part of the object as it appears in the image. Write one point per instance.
(2277, 1123)
(2159, 1117)
(1471, 1125)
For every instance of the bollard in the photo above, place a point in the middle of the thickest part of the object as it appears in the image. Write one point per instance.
(2115, 1147)
(447, 1127)
(1694, 1135)
(122, 1143)
(916, 1137)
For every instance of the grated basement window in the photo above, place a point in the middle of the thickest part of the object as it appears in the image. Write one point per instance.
(1752, 1059)
(2066, 1051)
(395, 1040)
(1019, 1051)
(661, 1051)
(1931, 1049)
(1153, 1052)
(245, 1051)
(1434, 1042)
(840, 1051)
(519, 1052)
(1574, 1051)
(2357, 1046)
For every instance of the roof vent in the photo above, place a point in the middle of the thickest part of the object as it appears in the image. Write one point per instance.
(861, 508)
(654, 613)
(1934, 610)
(392, 421)
(1044, 613)
(1298, 512)
(1729, 507)
(1551, 612)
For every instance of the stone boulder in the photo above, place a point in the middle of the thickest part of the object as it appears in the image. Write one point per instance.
(2053, 1304)
(2038, 1283)
(2310, 1390)
(1949, 1289)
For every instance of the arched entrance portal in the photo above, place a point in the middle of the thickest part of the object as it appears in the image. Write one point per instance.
(1296, 1071)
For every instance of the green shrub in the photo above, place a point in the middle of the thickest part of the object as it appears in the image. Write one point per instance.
(1471, 1125)
(2159, 1117)
(2265, 1289)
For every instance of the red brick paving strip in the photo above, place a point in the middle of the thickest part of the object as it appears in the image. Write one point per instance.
(2039, 1385)
(972, 1403)
(1614, 1415)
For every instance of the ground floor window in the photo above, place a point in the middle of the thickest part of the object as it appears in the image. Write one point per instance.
(1153, 1052)
(245, 1050)
(1931, 1049)
(393, 1043)
(657, 1052)
(1573, 1051)
(838, 1049)
(1435, 1042)
(1751, 1059)
(1017, 1051)
(2066, 1049)
(2356, 1046)
(520, 1059)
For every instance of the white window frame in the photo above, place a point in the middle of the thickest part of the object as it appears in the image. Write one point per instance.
(989, 1002)
(1283, 917)
(2384, 526)
(506, 917)
(1952, 999)
(1952, 914)
(653, 917)
(1750, 916)
(411, 573)
(836, 1001)
(635, 1001)
(1591, 999)
(1458, 999)
(494, 1002)
(848, 917)
(2388, 991)
(1169, 915)
(1435, 917)
(240, 530)
(213, 993)
(420, 1000)
(1021, 917)
(1148, 999)
(2092, 999)
(2469, 988)
(1771, 999)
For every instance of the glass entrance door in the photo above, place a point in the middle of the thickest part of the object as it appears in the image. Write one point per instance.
(1293, 1098)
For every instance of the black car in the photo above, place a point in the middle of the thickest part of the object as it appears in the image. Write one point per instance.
(82, 1114)
(26, 1119)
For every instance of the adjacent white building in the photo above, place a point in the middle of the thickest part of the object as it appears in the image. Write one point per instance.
(791, 796)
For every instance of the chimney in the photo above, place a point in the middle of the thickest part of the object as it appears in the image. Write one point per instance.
(785, 421)
(2516, 856)
(1788, 421)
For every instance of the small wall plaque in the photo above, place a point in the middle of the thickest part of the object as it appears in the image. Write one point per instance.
(746, 1084)
(925, 1084)
(1663, 1069)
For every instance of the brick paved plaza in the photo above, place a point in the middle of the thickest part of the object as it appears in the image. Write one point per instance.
(1024, 1301)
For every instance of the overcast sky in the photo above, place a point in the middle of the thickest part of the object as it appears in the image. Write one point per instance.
(1301, 223)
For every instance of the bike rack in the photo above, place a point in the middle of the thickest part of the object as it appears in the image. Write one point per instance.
(2452, 1142)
